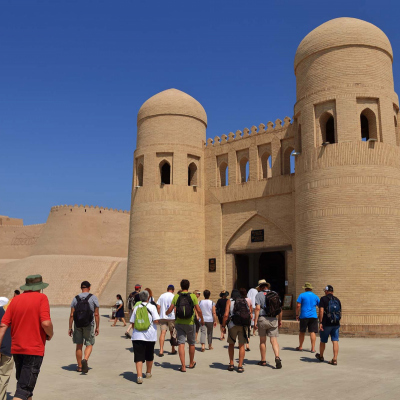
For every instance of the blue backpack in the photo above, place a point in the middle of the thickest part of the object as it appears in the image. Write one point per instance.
(334, 312)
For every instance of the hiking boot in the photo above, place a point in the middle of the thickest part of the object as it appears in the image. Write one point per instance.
(278, 363)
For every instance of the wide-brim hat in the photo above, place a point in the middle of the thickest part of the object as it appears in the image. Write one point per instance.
(224, 293)
(308, 285)
(262, 282)
(34, 282)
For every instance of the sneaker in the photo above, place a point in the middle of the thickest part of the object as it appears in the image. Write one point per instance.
(278, 363)
(148, 375)
(139, 380)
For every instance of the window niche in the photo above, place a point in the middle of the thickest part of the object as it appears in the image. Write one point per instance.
(222, 170)
(192, 174)
(368, 125)
(165, 173)
(244, 165)
(139, 165)
(325, 123)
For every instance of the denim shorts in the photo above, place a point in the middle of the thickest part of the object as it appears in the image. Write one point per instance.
(27, 370)
(332, 331)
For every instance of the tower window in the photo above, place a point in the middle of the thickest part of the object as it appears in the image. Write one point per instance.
(165, 172)
(140, 175)
(288, 161)
(368, 125)
(330, 130)
(223, 174)
(266, 164)
(244, 170)
(364, 128)
(192, 174)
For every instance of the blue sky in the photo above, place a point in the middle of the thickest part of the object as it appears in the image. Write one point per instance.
(73, 75)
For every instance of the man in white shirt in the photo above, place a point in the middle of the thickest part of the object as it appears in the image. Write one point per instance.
(252, 293)
(167, 322)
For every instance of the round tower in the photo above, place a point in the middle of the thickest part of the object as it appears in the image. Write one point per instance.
(167, 236)
(348, 172)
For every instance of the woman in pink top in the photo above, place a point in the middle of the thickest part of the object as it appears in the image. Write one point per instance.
(243, 294)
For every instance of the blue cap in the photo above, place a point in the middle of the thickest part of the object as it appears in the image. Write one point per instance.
(171, 287)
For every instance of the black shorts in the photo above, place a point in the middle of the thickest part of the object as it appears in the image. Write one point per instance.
(143, 351)
(310, 323)
(27, 370)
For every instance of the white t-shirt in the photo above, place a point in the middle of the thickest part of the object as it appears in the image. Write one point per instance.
(151, 334)
(206, 308)
(252, 293)
(165, 302)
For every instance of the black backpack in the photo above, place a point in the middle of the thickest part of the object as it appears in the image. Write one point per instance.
(241, 313)
(83, 314)
(272, 305)
(184, 306)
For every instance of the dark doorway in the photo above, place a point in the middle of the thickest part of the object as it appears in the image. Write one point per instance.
(165, 173)
(272, 269)
(270, 266)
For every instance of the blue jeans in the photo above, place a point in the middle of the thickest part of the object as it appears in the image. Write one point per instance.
(332, 331)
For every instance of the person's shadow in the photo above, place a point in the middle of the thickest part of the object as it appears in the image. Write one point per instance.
(309, 360)
(217, 365)
(129, 376)
(71, 367)
(255, 362)
(167, 365)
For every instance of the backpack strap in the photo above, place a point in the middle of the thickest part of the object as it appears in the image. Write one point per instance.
(78, 299)
(88, 296)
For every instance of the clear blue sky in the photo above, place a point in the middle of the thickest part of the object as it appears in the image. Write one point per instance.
(73, 75)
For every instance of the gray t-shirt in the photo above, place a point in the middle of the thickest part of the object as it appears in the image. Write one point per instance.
(260, 300)
(93, 302)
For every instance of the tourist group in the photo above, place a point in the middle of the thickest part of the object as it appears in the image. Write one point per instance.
(240, 315)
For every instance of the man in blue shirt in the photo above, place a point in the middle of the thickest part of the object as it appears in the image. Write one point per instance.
(306, 313)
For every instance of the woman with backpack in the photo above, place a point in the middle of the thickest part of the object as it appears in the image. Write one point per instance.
(207, 307)
(220, 310)
(243, 295)
(144, 335)
(119, 313)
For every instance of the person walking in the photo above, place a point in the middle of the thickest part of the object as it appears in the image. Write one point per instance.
(210, 320)
(243, 294)
(85, 315)
(238, 317)
(330, 313)
(186, 304)
(144, 335)
(220, 311)
(6, 360)
(197, 317)
(28, 315)
(306, 313)
(268, 320)
(167, 322)
(120, 312)
(252, 296)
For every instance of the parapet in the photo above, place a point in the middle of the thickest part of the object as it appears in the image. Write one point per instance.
(86, 208)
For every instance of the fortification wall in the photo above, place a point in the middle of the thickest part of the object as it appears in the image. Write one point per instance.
(10, 221)
(84, 230)
(18, 241)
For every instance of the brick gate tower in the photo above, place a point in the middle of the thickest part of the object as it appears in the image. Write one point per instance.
(167, 234)
(347, 207)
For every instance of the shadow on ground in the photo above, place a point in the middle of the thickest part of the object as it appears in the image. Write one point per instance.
(129, 376)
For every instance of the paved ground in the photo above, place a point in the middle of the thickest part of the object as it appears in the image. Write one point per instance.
(368, 369)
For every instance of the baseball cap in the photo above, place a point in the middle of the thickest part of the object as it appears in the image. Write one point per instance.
(329, 288)
(85, 285)
(170, 287)
(138, 286)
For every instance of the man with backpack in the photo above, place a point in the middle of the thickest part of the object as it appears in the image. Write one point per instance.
(133, 298)
(238, 317)
(185, 304)
(330, 313)
(84, 314)
(268, 318)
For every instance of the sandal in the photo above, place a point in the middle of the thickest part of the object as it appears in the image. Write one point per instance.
(299, 349)
(181, 370)
(79, 369)
(318, 357)
(240, 370)
(192, 367)
(262, 363)
(173, 352)
(332, 362)
(231, 367)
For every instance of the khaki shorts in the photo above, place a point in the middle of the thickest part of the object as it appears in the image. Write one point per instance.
(268, 327)
(236, 332)
(84, 335)
(167, 324)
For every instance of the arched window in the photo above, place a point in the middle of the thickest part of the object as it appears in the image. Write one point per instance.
(266, 165)
(327, 126)
(288, 161)
(368, 125)
(223, 174)
(140, 174)
(165, 172)
(244, 170)
(192, 174)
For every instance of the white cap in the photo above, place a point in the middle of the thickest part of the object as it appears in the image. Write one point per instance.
(3, 301)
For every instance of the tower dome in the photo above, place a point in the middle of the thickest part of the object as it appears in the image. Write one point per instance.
(341, 32)
(172, 102)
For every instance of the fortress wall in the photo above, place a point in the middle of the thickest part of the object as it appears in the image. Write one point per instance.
(10, 221)
(64, 275)
(18, 241)
(84, 230)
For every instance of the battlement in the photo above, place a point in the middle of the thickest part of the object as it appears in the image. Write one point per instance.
(231, 137)
(85, 208)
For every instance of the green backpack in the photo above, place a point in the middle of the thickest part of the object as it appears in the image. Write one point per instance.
(142, 321)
